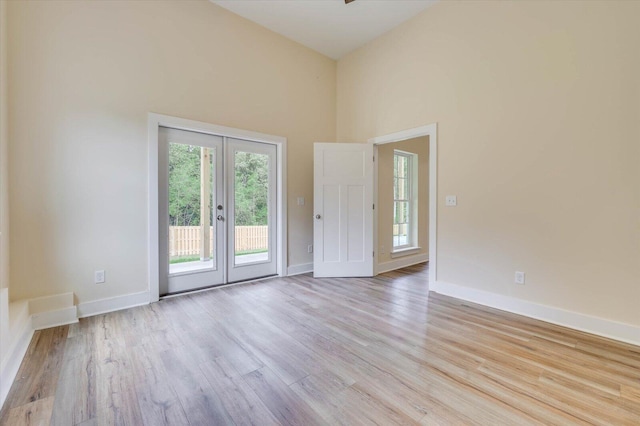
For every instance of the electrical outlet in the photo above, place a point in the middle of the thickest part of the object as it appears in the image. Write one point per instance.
(98, 277)
(310, 248)
(382, 249)
(451, 201)
(300, 201)
(519, 277)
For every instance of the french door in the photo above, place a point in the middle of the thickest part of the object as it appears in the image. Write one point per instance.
(217, 210)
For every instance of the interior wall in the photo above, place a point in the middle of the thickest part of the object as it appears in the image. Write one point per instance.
(537, 105)
(84, 75)
(4, 170)
(4, 193)
(419, 146)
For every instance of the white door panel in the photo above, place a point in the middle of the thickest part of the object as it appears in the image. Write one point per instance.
(356, 211)
(343, 203)
(328, 208)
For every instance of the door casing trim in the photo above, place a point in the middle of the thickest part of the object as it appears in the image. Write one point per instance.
(154, 122)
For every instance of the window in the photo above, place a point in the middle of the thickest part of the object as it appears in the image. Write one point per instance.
(404, 200)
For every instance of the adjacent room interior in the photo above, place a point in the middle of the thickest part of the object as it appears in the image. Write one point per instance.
(319, 212)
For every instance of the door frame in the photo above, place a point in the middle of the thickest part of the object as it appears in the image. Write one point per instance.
(430, 130)
(154, 122)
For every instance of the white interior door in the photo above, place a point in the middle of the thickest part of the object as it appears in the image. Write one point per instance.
(343, 205)
(251, 222)
(191, 197)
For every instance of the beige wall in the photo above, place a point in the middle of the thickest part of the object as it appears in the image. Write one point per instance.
(4, 171)
(4, 196)
(419, 146)
(537, 105)
(84, 75)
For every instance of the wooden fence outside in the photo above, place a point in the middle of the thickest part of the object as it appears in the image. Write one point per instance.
(185, 240)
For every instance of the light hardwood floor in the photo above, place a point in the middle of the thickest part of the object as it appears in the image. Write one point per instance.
(304, 351)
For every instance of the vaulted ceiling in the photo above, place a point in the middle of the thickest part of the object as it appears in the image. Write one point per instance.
(330, 27)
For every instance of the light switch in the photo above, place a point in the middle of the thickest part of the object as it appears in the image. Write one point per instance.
(301, 201)
(451, 201)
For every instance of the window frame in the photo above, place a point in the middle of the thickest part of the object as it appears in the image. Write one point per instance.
(411, 198)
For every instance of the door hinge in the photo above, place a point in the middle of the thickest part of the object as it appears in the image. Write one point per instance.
(374, 206)
(373, 254)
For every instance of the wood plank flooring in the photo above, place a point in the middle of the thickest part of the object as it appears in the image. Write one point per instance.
(305, 351)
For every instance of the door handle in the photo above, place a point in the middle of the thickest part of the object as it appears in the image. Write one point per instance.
(318, 216)
(220, 218)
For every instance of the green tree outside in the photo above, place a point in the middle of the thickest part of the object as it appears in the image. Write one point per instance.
(184, 185)
(251, 189)
(252, 184)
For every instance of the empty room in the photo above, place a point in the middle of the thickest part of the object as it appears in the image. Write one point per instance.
(310, 212)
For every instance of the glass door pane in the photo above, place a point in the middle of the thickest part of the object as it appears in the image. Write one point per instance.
(251, 192)
(191, 195)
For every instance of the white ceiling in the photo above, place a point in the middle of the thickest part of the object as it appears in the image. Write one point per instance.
(330, 27)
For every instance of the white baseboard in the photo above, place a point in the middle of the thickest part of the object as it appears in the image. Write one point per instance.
(302, 268)
(4, 321)
(50, 303)
(402, 262)
(19, 339)
(52, 311)
(55, 318)
(112, 304)
(589, 324)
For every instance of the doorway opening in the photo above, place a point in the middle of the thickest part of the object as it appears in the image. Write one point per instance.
(346, 207)
(413, 223)
(216, 205)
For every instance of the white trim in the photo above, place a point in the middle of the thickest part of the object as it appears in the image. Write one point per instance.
(112, 304)
(402, 262)
(587, 323)
(153, 263)
(55, 302)
(20, 335)
(52, 311)
(281, 247)
(54, 318)
(430, 130)
(407, 251)
(4, 323)
(154, 121)
(403, 135)
(302, 268)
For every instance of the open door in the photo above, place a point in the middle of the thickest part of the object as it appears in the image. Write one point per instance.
(343, 206)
